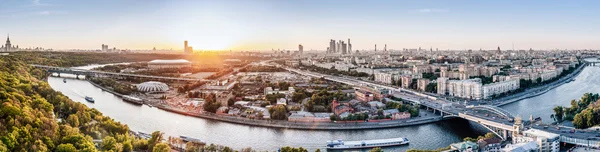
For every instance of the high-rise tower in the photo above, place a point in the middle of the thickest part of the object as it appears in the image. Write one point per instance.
(349, 47)
(8, 46)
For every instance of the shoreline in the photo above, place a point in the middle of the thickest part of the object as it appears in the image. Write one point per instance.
(295, 125)
(337, 125)
(307, 125)
(545, 89)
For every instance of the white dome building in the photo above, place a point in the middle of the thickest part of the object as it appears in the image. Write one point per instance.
(152, 86)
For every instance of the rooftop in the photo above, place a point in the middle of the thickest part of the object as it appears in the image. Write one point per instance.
(541, 133)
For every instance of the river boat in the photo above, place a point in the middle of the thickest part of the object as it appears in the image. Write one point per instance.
(134, 100)
(89, 99)
(190, 139)
(340, 144)
(144, 135)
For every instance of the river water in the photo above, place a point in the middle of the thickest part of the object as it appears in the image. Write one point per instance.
(426, 136)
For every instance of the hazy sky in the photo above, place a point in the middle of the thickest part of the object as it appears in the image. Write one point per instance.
(266, 24)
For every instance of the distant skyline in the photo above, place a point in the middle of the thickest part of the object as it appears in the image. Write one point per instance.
(276, 24)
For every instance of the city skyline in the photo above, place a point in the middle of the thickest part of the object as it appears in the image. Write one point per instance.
(265, 25)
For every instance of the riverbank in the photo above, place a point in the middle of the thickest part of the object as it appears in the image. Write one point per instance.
(307, 125)
(542, 89)
(296, 125)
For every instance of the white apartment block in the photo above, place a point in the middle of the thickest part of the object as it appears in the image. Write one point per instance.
(547, 142)
(385, 77)
(499, 87)
(473, 88)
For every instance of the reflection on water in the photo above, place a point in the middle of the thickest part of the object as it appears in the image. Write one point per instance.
(541, 106)
(428, 136)
(146, 119)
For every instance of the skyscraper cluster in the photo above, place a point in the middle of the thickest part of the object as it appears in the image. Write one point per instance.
(104, 47)
(339, 47)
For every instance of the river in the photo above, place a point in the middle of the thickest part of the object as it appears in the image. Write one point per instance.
(427, 136)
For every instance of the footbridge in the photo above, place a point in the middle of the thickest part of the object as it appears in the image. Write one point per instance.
(78, 72)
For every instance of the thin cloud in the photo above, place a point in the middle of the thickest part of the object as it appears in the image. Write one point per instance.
(45, 13)
(33, 13)
(432, 10)
(38, 3)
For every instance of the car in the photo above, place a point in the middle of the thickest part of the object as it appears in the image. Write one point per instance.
(572, 131)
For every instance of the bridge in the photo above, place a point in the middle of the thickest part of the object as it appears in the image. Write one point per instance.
(499, 121)
(78, 72)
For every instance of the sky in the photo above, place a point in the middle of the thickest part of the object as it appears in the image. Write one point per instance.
(284, 24)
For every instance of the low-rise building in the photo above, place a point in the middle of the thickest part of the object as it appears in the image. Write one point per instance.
(270, 90)
(363, 95)
(466, 146)
(521, 147)
(546, 141)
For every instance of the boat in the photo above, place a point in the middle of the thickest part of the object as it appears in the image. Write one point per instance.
(144, 135)
(340, 144)
(65, 80)
(89, 99)
(132, 99)
(190, 139)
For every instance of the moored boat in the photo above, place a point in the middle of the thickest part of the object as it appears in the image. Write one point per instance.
(190, 139)
(132, 99)
(340, 144)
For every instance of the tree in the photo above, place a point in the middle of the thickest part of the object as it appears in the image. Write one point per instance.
(332, 117)
(376, 149)
(161, 147)
(489, 135)
(211, 104)
(470, 139)
(108, 143)
(141, 144)
(73, 120)
(3, 147)
(558, 113)
(66, 148)
(292, 149)
(230, 102)
(432, 87)
(278, 112)
(156, 138)
(192, 147)
(579, 121)
(127, 147)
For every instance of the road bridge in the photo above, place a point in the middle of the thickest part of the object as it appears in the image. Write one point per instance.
(78, 72)
(497, 120)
